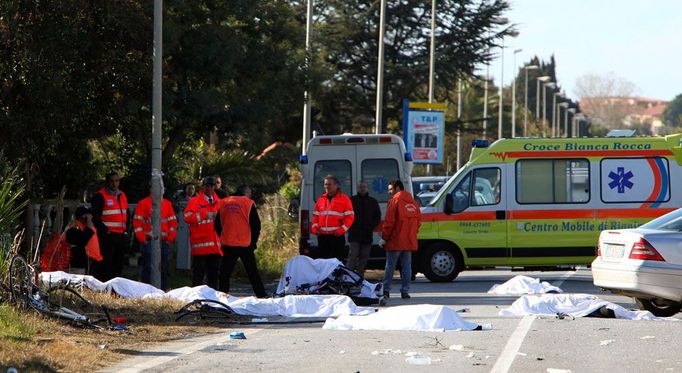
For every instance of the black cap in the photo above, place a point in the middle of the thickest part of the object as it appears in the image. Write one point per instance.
(82, 211)
(209, 180)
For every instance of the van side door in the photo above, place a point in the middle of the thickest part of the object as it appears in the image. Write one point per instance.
(477, 220)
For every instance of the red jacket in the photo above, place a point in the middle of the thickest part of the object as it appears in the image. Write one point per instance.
(142, 220)
(401, 223)
(334, 216)
(114, 215)
(199, 216)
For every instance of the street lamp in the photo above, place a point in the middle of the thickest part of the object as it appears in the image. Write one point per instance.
(544, 105)
(307, 112)
(539, 79)
(525, 101)
(555, 119)
(559, 106)
(513, 34)
(495, 21)
(513, 131)
(572, 111)
(380, 68)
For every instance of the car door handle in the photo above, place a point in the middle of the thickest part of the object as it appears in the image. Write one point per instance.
(500, 215)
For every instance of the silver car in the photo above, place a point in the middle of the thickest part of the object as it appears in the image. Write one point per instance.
(645, 263)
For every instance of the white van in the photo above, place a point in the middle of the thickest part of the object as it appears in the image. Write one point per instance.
(376, 159)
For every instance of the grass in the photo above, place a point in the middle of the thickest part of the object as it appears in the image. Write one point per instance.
(32, 342)
(12, 326)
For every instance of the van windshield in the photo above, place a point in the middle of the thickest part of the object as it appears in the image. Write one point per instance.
(377, 173)
(339, 168)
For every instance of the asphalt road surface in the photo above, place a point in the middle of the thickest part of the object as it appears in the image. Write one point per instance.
(515, 344)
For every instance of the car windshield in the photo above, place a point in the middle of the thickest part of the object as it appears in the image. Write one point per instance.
(671, 221)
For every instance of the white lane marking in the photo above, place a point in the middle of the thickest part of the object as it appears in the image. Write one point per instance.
(141, 363)
(564, 277)
(504, 362)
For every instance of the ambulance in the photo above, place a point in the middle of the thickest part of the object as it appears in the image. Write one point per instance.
(376, 159)
(542, 202)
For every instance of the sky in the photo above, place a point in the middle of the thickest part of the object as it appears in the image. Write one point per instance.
(638, 40)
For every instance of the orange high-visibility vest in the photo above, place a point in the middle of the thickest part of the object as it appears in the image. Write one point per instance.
(114, 215)
(142, 220)
(199, 216)
(234, 217)
(335, 216)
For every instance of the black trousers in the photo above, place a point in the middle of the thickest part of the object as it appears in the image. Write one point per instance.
(331, 246)
(230, 256)
(112, 246)
(208, 266)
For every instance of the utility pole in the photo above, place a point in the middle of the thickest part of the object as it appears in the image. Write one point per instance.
(380, 68)
(306, 93)
(156, 177)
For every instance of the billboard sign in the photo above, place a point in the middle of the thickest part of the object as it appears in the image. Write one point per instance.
(424, 131)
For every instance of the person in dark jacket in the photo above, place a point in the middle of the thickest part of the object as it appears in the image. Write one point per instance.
(82, 237)
(360, 234)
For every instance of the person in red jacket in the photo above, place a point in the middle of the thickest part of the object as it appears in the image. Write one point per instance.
(142, 225)
(110, 216)
(400, 233)
(332, 217)
(239, 227)
(204, 242)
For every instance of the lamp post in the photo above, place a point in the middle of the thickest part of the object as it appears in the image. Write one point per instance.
(306, 93)
(525, 101)
(496, 21)
(380, 68)
(572, 111)
(544, 105)
(513, 131)
(513, 34)
(563, 105)
(432, 49)
(539, 79)
(555, 119)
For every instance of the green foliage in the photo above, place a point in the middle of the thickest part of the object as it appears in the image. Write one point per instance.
(12, 201)
(12, 326)
(672, 115)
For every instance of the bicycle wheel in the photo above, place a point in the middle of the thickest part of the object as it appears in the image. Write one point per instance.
(20, 281)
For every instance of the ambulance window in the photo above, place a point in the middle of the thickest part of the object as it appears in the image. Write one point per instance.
(341, 169)
(377, 173)
(552, 181)
(486, 187)
(460, 195)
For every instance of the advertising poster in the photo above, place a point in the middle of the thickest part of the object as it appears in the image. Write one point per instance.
(424, 134)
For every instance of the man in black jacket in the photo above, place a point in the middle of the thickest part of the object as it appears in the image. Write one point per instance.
(367, 217)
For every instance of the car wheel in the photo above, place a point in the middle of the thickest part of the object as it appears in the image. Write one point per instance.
(441, 262)
(660, 307)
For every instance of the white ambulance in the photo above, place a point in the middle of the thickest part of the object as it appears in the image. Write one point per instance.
(376, 159)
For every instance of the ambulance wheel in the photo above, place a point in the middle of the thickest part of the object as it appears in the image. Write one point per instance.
(441, 262)
(659, 307)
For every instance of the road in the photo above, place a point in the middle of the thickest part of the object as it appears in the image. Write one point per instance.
(523, 344)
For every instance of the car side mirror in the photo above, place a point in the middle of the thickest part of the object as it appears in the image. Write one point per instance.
(448, 204)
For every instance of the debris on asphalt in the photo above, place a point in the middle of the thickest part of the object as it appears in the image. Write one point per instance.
(237, 335)
(554, 370)
(457, 348)
(606, 342)
(387, 351)
(417, 359)
(471, 354)
(647, 337)
(522, 354)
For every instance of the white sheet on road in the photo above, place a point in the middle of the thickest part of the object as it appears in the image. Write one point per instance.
(520, 285)
(576, 305)
(301, 270)
(290, 306)
(419, 317)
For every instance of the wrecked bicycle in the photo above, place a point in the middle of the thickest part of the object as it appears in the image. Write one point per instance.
(58, 301)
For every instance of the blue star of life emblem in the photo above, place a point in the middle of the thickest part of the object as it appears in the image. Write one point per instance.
(621, 179)
(380, 184)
